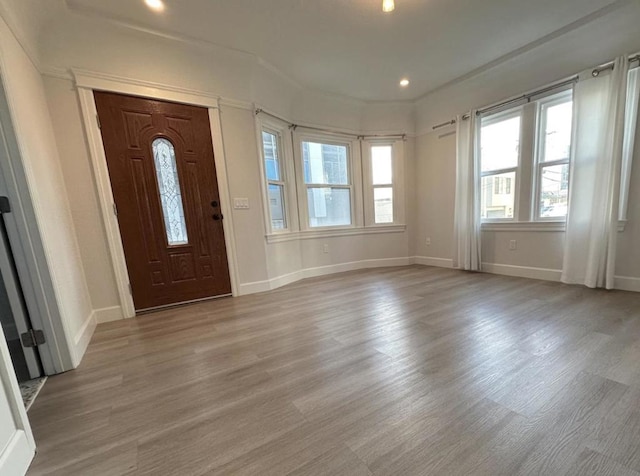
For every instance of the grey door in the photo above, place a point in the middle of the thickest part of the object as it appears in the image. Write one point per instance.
(13, 315)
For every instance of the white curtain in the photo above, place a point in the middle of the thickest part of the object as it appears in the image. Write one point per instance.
(594, 190)
(466, 247)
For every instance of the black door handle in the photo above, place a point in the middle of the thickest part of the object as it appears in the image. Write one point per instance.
(218, 217)
(214, 204)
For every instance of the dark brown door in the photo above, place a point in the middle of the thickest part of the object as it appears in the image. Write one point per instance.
(163, 176)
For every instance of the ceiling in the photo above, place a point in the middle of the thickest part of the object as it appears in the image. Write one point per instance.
(349, 47)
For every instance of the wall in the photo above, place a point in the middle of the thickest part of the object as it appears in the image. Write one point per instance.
(32, 123)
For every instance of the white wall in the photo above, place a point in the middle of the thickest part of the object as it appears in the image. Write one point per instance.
(37, 144)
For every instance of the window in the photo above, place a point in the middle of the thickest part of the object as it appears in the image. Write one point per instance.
(328, 184)
(524, 160)
(500, 157)
(554, 152)
(273, 170)
(317, 183)
(382, 181)
(164, 158)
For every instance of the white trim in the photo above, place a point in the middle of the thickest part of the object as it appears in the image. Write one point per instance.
(83, 337)
(522, 271)
(287, 174)
(136, 87)
(219, 157)
(354, 185)
(431, 261)
(545, 226)
(279, 281)
(105, 196)
(108, 314)
(16, 456)
(86, 83)
(626, 283)
(535, 226)
(329, 233)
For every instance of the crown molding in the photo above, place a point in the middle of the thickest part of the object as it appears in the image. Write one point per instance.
(585, 20)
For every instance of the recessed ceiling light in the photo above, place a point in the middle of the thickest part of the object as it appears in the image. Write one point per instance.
(404, 82)
(155, 5)
(388, 6)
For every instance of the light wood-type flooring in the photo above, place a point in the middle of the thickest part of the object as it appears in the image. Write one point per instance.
(411, 371)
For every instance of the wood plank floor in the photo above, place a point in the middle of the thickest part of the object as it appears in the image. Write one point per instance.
(412, 370)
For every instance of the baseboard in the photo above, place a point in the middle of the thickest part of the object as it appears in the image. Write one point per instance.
(108, 314)
(625, 283)
(523, 271)
(83, 337)
(279, 281)
(622, 283)
(430, 261)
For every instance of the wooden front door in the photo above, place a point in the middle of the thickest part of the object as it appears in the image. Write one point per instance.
(163, 176)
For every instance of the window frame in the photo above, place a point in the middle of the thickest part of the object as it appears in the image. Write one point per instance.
(528, 173)
(397, 170)
(354, 178)
(543, 104)
(287, 175)
(489, 119)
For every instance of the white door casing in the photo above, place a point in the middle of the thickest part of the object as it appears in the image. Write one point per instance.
(17, 446)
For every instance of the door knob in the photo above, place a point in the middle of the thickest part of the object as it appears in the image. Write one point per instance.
(218, 216)
(214, 204)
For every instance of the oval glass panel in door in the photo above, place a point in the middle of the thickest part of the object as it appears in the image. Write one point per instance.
(164, 157)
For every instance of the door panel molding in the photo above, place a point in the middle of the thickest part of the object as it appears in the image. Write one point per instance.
(101, 174)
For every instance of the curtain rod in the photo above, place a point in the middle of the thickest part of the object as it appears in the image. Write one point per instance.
(596, 72)
(609, 66)
(524, 97)
(293, 127)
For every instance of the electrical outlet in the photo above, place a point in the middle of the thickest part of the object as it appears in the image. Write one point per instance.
(428, 241)
(513, 245)
(325, 248)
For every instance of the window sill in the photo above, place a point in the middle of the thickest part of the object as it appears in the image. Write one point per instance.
(541, 226)
(538, 226)
(328, 233)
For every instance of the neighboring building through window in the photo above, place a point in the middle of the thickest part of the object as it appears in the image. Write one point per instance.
(328, 185)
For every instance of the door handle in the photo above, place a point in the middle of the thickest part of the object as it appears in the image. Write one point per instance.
(218, 216)
(215, 204)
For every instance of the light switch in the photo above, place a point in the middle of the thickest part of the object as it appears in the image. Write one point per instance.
(241, 203)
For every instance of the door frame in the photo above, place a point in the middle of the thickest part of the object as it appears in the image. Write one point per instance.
(88, 82)
(27, 246)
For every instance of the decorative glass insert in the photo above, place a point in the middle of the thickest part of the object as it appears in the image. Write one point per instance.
(164, 157)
